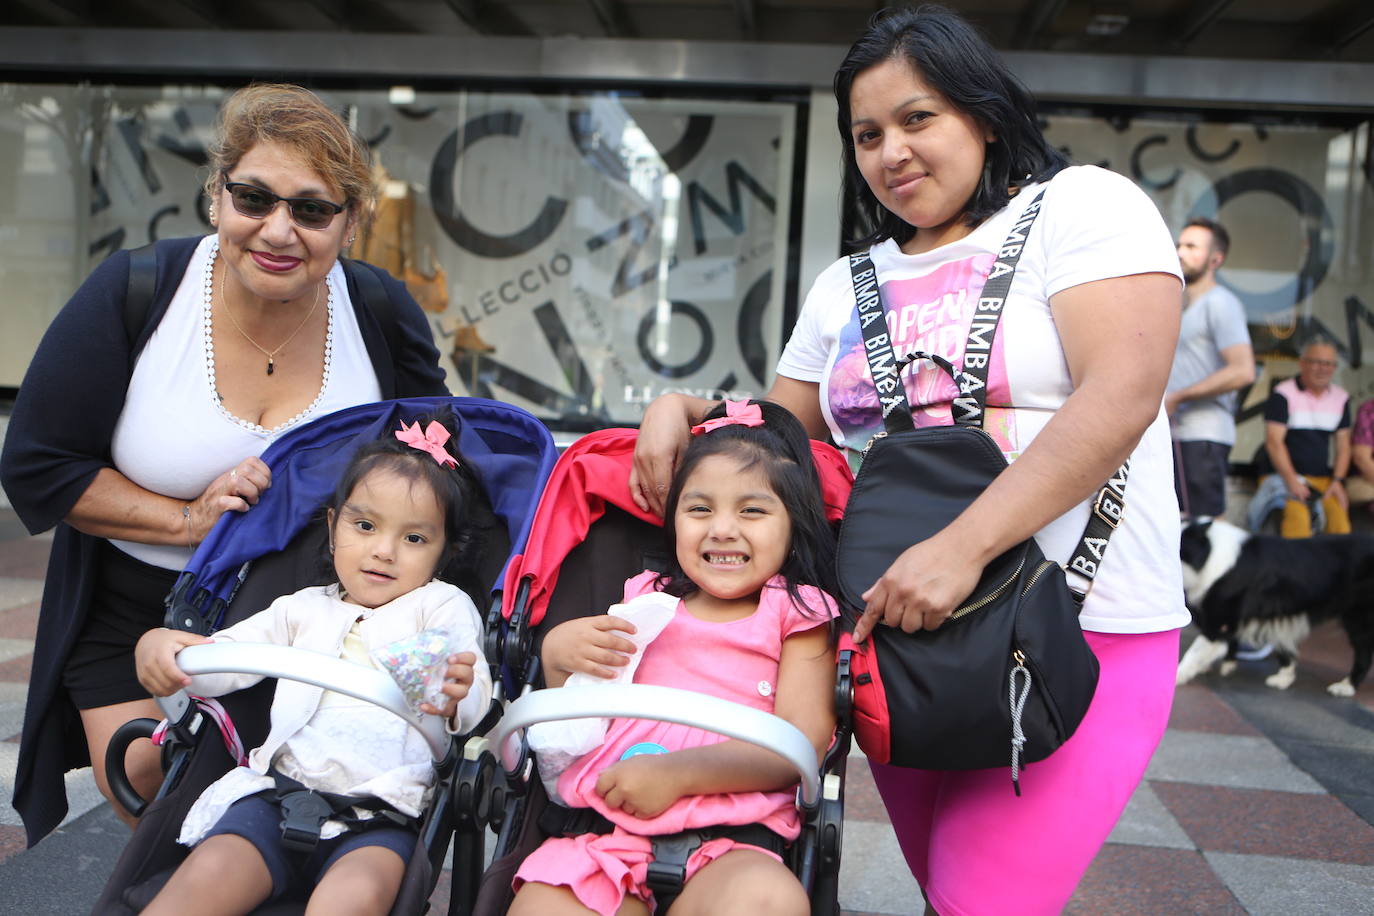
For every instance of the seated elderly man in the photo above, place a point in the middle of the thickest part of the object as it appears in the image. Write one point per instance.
(1305, 418)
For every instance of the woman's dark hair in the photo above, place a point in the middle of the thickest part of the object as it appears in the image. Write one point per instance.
(456, 489)
(781, 449)
(949, 54)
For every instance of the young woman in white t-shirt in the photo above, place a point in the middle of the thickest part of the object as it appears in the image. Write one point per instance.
(944, 153)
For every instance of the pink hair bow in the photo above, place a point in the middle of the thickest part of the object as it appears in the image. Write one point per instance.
(431, 440)
(737, 413)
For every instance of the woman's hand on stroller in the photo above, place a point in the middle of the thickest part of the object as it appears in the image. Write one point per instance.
(458, 679)
(236, 490)
(663, 435)
(155, 659)
(643, 786)
(587, 645)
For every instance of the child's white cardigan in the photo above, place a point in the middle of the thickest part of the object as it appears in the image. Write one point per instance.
(316, 619)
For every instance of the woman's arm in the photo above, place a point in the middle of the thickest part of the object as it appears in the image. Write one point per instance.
(113, 506)
(1118, 337)
(645, 786)
(69, 401)
(1340, 468)
(1237, 371)
(56, 463)
(1362, 459)
(667, 425)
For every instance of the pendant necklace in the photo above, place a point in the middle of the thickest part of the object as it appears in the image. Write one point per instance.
(270, 354)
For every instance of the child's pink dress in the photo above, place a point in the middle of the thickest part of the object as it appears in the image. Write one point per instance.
(735, 661)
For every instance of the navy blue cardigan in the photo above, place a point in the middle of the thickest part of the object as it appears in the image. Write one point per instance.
(59, 438)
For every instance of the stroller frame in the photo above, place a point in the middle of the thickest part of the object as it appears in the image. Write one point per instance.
(597, 466)
(511, 453)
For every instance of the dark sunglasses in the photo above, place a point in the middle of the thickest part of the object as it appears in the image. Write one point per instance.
(306, 212)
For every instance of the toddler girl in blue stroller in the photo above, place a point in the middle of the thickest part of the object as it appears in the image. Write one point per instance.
(397, 517)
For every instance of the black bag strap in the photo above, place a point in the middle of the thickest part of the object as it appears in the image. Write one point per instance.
(972, 401)
(970, 405)
(138, 297)
(377, 300)
(972, 379)
(882, 362)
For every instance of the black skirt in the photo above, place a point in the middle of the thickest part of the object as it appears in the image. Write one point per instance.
(126, 603)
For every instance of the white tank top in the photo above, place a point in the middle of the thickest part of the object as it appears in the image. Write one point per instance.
(174, 436)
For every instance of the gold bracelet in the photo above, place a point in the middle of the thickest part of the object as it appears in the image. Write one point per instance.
(186, 514)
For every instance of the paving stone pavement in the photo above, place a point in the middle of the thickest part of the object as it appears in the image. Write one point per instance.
(1258, 801)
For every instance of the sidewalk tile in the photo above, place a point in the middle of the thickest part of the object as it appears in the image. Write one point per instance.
(1149, 881)
(15, 648)
(16, 591)
(1197, 709)
(873, 875)
(20, 622)
(1238, 761)
(16, 670)
(1258, 822)
(1363, 805)
(1304, 712)
(26, 558)
(438, 899)
(1342, 770)
(861, 799)
(1269, 886)
(11, 841)
(1146, 822)
(12, 698)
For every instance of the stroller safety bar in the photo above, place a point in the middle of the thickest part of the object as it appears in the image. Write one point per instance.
(662, 704)
(366, 684)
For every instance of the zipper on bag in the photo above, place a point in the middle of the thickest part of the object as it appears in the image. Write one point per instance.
(1040, 570)
(990, 597)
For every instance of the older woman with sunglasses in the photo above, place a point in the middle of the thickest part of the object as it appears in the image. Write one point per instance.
(133, 444)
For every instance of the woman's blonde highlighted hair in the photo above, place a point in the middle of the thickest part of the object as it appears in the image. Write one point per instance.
(297, 119)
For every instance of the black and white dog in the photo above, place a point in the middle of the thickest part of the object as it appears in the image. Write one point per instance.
(1262, 588)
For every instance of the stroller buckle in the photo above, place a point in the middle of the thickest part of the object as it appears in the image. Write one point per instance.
(667, 873)
(303, 817)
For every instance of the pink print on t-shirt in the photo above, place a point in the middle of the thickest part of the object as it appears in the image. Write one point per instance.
(931, 313)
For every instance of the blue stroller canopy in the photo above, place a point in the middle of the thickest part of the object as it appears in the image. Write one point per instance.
(510, 451)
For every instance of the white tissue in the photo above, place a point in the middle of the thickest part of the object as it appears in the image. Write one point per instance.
(557, 744)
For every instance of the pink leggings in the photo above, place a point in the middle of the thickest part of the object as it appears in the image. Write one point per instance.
(975, 848)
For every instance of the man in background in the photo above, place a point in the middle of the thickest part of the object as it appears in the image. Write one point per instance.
(1304, 418)
(1213, 361)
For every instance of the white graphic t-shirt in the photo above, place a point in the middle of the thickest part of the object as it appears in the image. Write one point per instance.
(1093, 225)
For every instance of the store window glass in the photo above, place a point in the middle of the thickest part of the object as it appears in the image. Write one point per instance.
(578, 254)
(1296, 196)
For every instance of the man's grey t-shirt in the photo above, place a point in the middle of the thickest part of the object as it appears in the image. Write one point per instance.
(1211, 324)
